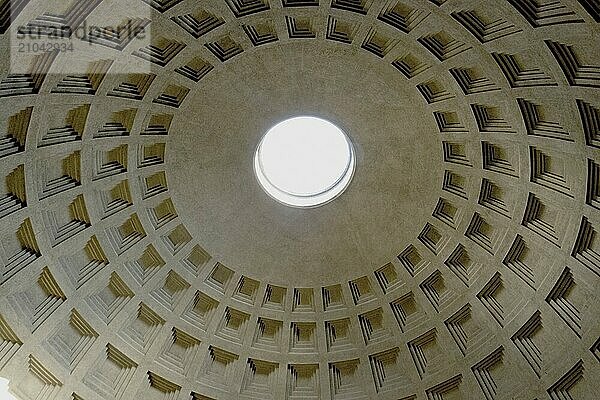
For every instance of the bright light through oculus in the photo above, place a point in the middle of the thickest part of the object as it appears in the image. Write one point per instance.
(4, 394)
(304, 161)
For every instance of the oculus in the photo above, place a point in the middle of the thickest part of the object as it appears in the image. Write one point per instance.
(304, 162)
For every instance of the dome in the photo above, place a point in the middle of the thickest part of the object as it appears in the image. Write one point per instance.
(450, 253)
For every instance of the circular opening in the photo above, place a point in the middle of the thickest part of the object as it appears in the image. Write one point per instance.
(4, 391)
(304, 161)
